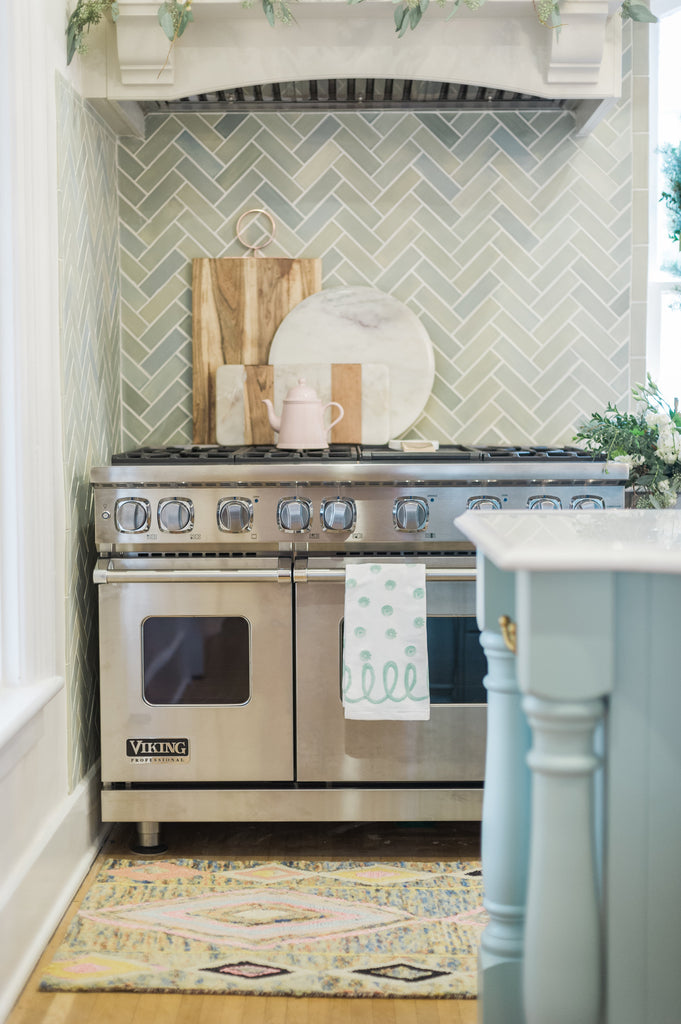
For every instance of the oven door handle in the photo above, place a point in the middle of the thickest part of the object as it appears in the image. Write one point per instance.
(281, 575)
(306, 574)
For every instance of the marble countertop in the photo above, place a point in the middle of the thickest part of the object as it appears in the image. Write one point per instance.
(611, 540)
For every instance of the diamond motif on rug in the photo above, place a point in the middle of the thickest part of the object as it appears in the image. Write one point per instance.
(291, 928)
(246, 969)
(402, 972)
(255, 918)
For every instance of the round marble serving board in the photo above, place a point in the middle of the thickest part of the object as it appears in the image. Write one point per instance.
(363, 325)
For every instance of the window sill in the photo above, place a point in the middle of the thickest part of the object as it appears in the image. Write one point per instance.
(19, 704)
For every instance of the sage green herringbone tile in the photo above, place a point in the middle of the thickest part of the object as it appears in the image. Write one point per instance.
(442, 127)
(408, 210)
(321, 133)
(356, 151)
(131, 268)
(161, 328)
(313, 226)
(202, 241)
(152, 177)
(133, 376)
(277, 151)
(128, 215)
(131, 347)
(435, 253)
(133, 399)
(350, 196)
(128, 163)
(237, 165)
(514, 227)
(361, 128)
(164, 191)
(228, 124)
(161, 131)
(171, 379)
(164, 244)
(199, 153)
(130, 190)
(321, 163)
(163, 298)
(413, 230)
(158, 357)
(157, 278)
(278, 180)
(210, 190)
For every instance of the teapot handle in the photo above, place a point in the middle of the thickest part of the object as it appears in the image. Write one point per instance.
(338, 418)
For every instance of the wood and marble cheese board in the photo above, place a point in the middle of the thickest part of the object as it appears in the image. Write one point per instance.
(362, 389)
(237, 305)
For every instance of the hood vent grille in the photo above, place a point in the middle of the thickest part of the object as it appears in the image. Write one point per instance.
(356, 94)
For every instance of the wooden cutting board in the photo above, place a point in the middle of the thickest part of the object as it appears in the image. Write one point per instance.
(362, 390)
(237, 305)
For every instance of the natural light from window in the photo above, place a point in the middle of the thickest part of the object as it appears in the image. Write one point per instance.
(665, 286)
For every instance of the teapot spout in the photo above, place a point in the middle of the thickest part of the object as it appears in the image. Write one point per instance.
(275, 421)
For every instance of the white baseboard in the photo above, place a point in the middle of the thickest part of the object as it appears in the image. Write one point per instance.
(36, 895)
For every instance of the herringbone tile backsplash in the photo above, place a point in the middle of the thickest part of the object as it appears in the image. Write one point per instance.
(509, 237)
(89, 292)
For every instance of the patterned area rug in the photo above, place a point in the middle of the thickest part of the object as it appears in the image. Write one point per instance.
(290, 928)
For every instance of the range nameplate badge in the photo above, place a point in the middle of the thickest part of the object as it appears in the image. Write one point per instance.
(157, 750)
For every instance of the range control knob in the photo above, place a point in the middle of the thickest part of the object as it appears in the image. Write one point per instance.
(132, 515)
(410, 514)
(587, 501)
(175, 515)
(543, 501)
(294, 515)
(483, 501)
(235, 515)
(338, 514)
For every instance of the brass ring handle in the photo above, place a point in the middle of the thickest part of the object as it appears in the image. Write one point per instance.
(508, 631)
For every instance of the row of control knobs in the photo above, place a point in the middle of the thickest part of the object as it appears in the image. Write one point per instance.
(295, 514)
(235, 515)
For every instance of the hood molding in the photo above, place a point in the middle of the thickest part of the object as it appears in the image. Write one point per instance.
(500, 46)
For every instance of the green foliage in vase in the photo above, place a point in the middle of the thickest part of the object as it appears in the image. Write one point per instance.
(648, 442)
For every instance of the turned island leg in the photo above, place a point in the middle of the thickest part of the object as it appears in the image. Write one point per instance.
(506, 809)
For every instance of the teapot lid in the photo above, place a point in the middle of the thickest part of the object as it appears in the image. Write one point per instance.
(302, 392)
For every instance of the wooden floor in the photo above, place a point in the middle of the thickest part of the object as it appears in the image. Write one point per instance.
(436, 841)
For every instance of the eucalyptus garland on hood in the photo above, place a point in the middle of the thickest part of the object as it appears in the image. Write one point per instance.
(175, 15)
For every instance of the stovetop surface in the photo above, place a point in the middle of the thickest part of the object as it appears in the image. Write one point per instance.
(254, 454)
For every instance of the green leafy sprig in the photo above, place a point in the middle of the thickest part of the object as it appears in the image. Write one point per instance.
(671, 168)
(648, 441)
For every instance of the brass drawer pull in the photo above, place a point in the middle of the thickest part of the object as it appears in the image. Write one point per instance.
(508, 632)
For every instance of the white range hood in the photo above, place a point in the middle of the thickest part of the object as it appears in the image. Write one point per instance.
(500, 46)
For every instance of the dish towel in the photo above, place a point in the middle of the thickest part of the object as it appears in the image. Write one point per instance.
(385, 653)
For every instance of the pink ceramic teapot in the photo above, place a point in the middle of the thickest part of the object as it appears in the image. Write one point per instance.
(301, 424)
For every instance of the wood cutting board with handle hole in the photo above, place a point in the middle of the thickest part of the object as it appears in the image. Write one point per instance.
(361, 388)
(237, 305)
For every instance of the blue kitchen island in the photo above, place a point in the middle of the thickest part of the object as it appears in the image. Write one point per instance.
(580, 616)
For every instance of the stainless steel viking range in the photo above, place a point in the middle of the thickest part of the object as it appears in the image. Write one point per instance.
(221, 577)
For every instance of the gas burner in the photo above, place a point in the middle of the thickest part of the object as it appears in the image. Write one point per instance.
(269, 453)
(175, 454)
(488, 452)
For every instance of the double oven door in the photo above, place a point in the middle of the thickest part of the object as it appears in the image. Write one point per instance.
(450, 746)
(227, 670)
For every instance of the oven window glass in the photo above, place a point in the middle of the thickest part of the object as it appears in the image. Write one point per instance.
(456, 662)
(196, 660)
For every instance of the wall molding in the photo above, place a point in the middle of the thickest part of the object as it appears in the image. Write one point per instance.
(37, 892)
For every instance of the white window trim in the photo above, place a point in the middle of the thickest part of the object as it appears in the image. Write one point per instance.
(32, 573)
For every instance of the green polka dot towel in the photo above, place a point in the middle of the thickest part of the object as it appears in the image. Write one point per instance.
(385, 655)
